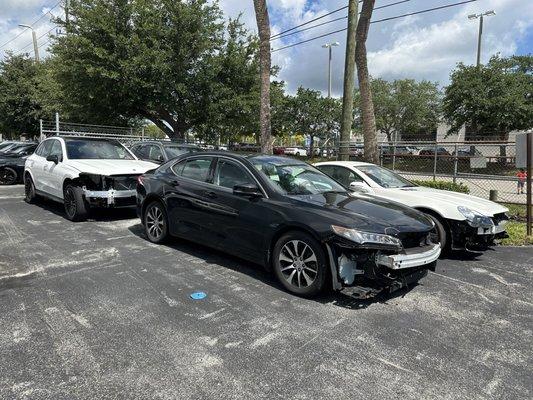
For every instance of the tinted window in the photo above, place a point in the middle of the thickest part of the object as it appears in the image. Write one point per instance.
(44, 148)
(384, 177)
(340, 174)
(175, 151)
(155, 153)
(56, 149)
(228, 174)
(139, 150)
(79, 149)
(197, 169)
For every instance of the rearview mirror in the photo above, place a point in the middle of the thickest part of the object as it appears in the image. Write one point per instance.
(360, 187)
(247, 190)
(53, 158)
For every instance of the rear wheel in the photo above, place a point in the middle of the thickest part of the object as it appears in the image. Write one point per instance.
(300, 264)
(75, 207)
(8, 176)
(29, 190)
(156, 222)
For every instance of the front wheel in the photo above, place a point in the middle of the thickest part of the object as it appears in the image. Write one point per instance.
(300, 264)
(156, 222)
(75, 207)
(8, 176)
(440, 232)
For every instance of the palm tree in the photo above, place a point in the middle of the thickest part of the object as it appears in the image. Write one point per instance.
(263, 26)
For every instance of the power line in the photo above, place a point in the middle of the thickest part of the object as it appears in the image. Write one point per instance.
(335, 20)
(379, 20)
(312, 20)
(32, 24)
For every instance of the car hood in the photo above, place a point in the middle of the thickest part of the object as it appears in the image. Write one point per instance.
(448, 198)
(368, 213)
(112, 167)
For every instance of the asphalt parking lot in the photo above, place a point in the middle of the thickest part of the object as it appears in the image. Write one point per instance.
(94, 311)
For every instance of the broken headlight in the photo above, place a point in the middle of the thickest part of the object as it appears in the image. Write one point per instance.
(367, 238)
(475, 219)
(91, 181)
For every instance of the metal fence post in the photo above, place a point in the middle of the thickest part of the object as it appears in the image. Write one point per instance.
(435, 164)
(455, 160)
(142, 133)
(394, 152)
(40, 130)
(57, 124)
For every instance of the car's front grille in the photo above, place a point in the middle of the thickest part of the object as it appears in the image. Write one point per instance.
(414, 239)
(122, 182)
(497, 218)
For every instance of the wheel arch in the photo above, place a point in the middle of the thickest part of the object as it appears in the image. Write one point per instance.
(149, 199)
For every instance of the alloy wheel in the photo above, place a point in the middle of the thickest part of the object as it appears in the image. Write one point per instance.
(70, 202)
(155, 222)
(299, 264)
(7, 176)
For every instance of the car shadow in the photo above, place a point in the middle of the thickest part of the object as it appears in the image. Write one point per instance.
(95, 214)
(213, 256)
(463, 255)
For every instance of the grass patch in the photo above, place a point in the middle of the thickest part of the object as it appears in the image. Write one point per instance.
(516, 211)
(517, 235)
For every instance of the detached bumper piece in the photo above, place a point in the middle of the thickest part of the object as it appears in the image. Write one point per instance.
(111, 198)
(414, 257)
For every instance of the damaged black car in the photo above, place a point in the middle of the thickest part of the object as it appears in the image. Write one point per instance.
(289, 217)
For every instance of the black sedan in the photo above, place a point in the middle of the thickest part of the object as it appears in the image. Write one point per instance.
(289, 217)
(12, 162)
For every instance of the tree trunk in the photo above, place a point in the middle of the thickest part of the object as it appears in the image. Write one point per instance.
(263, 27)
(367, 104)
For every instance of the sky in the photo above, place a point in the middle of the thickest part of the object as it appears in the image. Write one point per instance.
(425, 46)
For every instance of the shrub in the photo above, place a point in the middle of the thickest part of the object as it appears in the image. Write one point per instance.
(444, 185)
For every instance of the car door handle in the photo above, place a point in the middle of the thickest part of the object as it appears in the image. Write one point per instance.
(210, 194)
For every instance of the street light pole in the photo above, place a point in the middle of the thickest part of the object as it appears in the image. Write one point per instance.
(480, 33)
(34, 38)
(329, 46)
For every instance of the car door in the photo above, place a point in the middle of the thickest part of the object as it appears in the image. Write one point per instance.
(50, 169)
(239, 221)
(188, 203)
(37, 163)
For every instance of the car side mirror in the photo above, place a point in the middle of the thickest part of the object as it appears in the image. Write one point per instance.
(360, 187)
(53, 158)
(160, 158)
(247, 190)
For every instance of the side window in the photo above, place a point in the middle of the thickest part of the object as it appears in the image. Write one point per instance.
(345, 176)
(197, 168)
(178, 167)
(135, 150)
(44, 148)
(155, 153)
(327, 169)
(141, 151)
(228, 174)
(56, 149)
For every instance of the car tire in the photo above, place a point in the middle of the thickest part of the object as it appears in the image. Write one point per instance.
(30, 196)
(300, 264)
(155, 222)
(441, 231)
(76, 208)
(8, 176)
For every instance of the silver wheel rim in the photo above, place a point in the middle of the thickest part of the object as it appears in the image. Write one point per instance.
(155, 222)
(298, 264)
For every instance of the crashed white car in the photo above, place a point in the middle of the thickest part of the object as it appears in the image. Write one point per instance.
(462, 221)
(83, 172)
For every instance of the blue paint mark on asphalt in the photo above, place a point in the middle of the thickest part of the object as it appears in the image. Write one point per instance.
(198, 295)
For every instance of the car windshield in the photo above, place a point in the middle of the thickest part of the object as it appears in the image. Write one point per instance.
(384, 177)
(19, 149)
(297, 179)
(9, 147)
(80, 149)
(175, 151)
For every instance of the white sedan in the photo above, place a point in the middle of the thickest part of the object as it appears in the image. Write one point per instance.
(295, 151)
(462, 221)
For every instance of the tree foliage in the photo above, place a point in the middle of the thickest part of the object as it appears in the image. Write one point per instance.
(493, 99)
(405, 107)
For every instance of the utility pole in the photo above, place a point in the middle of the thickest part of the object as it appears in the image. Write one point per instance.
(349, 81)
(480, 32)
(329, 46)
(67, 14)
(34, 38)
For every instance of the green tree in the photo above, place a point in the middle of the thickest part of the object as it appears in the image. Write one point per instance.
(163, 60)
(491, 100)
(19, 108)
(405, 107)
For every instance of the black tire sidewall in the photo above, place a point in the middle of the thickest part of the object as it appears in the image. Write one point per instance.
(81, 207)
(318, 285)
(164, 235)
(14, 174)
(29, 199)
(442, 232)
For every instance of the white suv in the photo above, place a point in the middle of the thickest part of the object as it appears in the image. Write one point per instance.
(83, 172)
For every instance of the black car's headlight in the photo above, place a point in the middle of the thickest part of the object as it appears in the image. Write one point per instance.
(475, 219)
(367, 238)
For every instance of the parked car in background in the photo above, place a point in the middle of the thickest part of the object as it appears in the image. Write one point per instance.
(12, 162)
(5, 145)
(296, 151)
(290, 217)
(462, 221)
(467, 151)
(83, 173)
(159, 151)
(278, 150)
(430, 151)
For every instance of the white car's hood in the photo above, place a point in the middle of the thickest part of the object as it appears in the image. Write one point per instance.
(112, 167)
(420, 196)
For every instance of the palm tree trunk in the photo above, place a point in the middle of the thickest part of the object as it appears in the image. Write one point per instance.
(263, 26)
(367, 104)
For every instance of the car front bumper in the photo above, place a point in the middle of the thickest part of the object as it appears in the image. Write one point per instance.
(466, 237)
(111, 198)
(412, 258)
